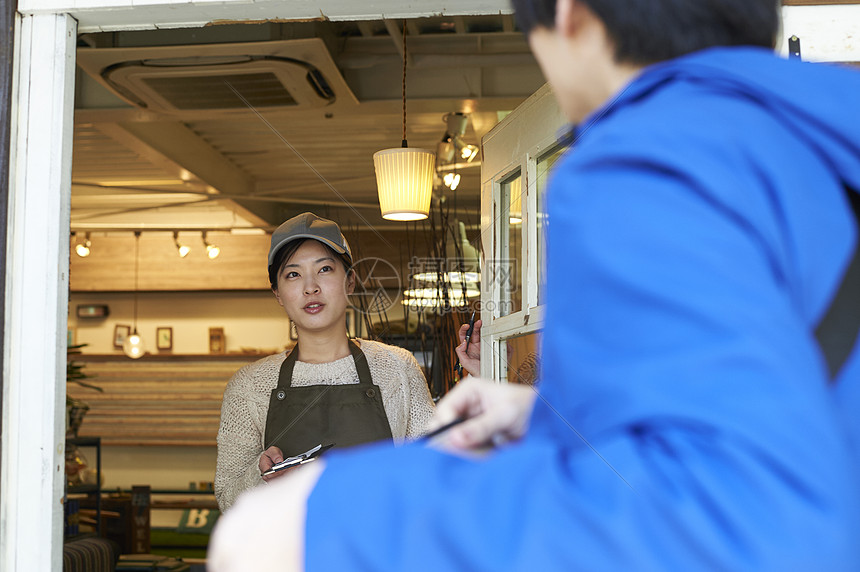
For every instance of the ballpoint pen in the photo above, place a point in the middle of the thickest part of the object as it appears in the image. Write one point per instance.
(459, 367)
(441, 429)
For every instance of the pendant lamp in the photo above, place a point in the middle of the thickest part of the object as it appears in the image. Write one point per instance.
(515, 212)
(404, 175)
(133, 345)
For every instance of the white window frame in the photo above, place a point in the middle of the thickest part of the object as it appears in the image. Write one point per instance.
(514, 145)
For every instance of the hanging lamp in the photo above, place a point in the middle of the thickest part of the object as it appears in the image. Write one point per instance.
(133, 345)
(404, 175)
(515, 211)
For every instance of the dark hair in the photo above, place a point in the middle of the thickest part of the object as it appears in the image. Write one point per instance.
(286, 252)
(649, 31)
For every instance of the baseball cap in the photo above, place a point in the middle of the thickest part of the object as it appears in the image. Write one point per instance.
(309, 225)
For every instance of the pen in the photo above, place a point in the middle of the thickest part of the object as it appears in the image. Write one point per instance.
(442, 429)
(459, 367)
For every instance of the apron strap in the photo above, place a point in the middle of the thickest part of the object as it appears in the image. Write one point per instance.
(360, 364)
(285, 377)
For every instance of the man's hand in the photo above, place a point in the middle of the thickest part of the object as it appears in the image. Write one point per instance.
(270, 457)
(471, 360)
(495, 413)
(265, 528)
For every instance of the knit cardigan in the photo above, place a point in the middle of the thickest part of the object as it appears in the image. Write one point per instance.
(246, 405)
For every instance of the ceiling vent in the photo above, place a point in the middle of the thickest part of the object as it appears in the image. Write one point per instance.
(264, 76)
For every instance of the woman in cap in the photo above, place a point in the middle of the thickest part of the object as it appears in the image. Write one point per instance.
(328, 388)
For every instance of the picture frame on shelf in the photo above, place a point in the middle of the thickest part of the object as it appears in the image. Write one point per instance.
(120, 333)
(164, 338)
(217, 341)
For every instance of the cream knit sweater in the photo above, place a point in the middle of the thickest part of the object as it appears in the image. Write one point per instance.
(246, 404)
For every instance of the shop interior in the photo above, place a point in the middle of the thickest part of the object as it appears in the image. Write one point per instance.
(192, 145)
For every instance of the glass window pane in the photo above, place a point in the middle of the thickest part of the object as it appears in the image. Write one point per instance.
(510, 267)
(522, 358)
(544, 165)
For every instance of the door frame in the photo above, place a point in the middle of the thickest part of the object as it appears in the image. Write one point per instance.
(39, 194)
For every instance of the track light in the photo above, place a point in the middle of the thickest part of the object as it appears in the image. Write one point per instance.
(451, 180)
(183, 249)
(444, 151)
(212, 251)
(452, 150)
(82, 249)
(467, 152)
(456, 123)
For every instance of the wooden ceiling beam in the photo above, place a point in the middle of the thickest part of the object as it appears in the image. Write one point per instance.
(174, 146)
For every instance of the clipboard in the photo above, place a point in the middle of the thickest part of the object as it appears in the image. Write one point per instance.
(307, 457)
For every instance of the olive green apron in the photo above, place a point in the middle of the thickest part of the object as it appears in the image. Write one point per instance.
(303, 417)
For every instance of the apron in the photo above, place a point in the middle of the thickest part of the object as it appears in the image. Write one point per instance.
(300, 418)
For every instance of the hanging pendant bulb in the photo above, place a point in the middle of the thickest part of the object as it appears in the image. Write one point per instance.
(133, 345)
(404, 176)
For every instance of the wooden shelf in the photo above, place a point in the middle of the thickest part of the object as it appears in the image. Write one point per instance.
(157, 400)
(170, 357)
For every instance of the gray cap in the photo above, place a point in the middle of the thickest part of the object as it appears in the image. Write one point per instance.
(309, 225)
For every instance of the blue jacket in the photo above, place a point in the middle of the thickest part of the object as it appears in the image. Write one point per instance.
(698, 231)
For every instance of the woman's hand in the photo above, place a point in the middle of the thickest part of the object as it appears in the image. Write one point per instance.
(495, 413)
(270, 457)
(470, 360)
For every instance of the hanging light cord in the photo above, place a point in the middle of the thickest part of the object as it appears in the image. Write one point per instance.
(136, 262)
(403, 144)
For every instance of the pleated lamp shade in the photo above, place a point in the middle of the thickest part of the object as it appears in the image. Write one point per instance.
(516, 201)
(404, 179)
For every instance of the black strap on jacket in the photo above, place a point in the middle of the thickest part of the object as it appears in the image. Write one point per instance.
(837, 331)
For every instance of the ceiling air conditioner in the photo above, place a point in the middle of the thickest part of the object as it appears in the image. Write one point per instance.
(184, 80)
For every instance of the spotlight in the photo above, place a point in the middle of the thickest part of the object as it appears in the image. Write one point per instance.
(451, 180)
(467, 152)
(82, 249)
(452, 144)
(456, 123)
(444, 151)
(212, 251)
(182, 248)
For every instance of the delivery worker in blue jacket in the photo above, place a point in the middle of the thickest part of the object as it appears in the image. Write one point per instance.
(688, 417)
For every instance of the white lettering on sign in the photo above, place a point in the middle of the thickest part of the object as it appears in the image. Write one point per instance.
(197, 518)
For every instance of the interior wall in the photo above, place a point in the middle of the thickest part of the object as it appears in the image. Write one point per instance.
(251, 320)
(158, 467)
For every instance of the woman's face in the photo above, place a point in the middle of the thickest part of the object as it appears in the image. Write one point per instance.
(313, 288)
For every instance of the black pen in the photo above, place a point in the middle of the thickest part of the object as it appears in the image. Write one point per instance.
(459, 367)
(442, 429)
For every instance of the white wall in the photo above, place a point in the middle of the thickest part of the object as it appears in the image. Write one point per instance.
(250, 320)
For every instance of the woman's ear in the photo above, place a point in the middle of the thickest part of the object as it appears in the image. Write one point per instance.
(278, 297)
(350, 281)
